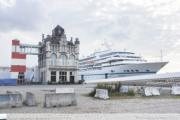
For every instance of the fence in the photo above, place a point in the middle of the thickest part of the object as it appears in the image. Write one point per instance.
(164, 82)
(8, 81)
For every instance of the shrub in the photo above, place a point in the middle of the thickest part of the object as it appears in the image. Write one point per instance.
(100, 86)
(49, 83)
(131, 93)
(107, 86)
(119, 86)
(93, 92)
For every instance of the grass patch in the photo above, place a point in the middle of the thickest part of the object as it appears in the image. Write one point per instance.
(177, 97)
(131, 93)
(113, 91)
(111, 87)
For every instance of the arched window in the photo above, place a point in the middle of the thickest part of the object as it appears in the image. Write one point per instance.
(53, 59)
(63, 60)
(72, 60)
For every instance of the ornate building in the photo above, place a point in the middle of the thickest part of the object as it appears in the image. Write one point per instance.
(59, 59)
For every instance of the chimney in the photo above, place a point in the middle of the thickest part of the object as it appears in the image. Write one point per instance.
(77, 41)
(71, 39)
(42, 36)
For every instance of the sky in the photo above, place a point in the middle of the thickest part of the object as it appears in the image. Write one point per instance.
(144, 27)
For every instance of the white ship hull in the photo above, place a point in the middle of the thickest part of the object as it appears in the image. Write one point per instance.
(121, 71)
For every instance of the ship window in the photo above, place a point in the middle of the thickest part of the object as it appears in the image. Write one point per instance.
(117, 56)
(124, 71)
(147, 71)
(127, 70)
(137, 70)
(132, 70)
(111, 70)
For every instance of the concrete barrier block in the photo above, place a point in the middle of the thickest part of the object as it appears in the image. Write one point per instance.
(138, 89)
(101, 93)
(9, 92)
(60, 99)
(149, 91)
(64, 90)
(30, 99)
(19, 92)
(175, 90)
(10, 100)
(124, 89)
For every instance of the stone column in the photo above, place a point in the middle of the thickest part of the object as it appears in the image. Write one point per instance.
(68, 78)
(57, 76)
(48, 75)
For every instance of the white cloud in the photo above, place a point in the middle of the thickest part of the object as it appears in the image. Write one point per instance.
(141, 26)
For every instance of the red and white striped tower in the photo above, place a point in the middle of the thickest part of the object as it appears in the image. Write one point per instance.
(18, 61)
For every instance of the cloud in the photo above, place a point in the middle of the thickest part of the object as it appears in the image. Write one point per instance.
(24, 15)
(143, 26)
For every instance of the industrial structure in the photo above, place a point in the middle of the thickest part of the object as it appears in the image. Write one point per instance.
(57, 58)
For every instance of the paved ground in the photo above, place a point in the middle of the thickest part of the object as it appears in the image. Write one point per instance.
(89, 105)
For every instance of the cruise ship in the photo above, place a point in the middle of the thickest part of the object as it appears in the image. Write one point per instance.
(111, 63)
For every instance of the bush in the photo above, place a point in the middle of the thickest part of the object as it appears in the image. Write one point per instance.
(107, 86)
(131, 93)
(35, 82)
(93, 92)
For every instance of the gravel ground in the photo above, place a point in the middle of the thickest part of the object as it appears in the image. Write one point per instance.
(88, 105)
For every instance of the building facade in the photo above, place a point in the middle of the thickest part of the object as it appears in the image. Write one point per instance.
(59, 59)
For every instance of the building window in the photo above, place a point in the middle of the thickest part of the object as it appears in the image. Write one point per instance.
(53, 59)
(44, 60)
(72, 60)
(62, 76)
(53, 76)
(52, 47)
(41, 76)
(63, 48)
(71, 77)
(63, 60)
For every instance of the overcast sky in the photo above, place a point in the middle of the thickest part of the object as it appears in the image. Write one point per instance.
(141, 26)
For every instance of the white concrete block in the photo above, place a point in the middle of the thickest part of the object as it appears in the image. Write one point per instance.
(19, 92)
(64, 90)
(175, 90)
(101, 93)
(138, 89)
(124, 89)
(149, 91)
